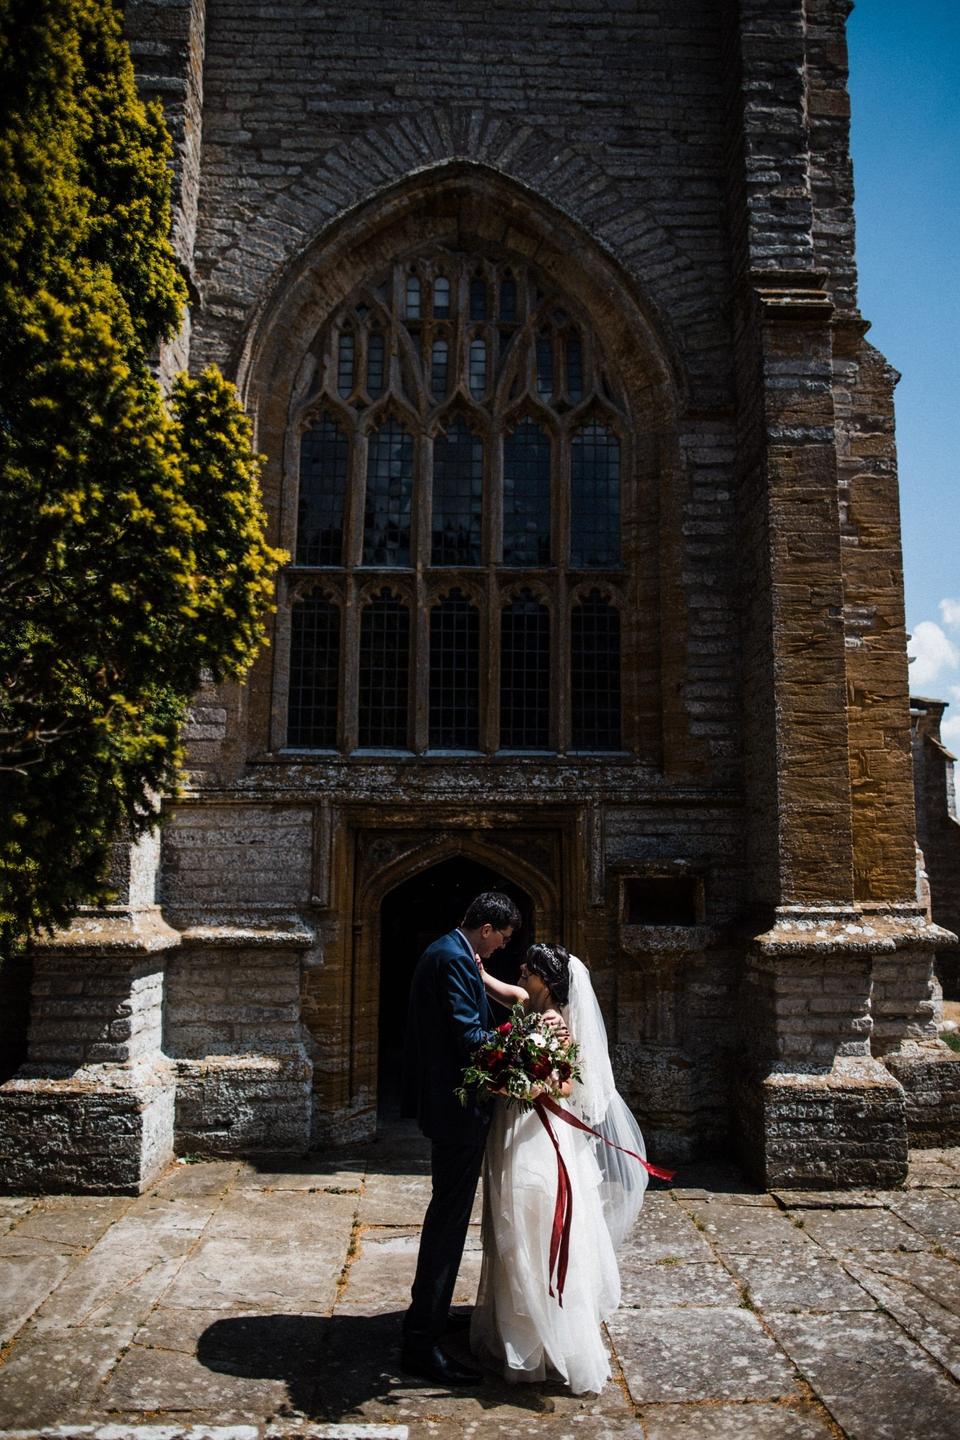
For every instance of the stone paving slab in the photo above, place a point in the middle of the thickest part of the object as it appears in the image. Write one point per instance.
(74, 1222)
(25, 1282)
(699, 1355)
(165, 1381)
(843, 1232)
(742, 1229)
(56, 1377)
(380, 1275)
(225, 1273)
(665, 1284)
(748, 1421)
(923, 1296)
(934, 1212)
(809, 1281)
(664, 1231)
(270, 1217)
(210, 1177)
(876, 1382)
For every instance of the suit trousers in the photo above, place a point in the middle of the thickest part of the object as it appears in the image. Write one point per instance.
(455, 1170)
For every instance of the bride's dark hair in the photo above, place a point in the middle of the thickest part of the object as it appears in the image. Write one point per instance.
(552, 964)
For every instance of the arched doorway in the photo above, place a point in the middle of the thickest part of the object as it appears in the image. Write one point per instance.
(412, 916)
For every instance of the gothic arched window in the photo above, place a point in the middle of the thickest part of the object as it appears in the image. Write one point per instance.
(461, 426)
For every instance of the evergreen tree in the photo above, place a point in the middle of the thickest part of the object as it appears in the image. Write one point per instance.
(132, 542)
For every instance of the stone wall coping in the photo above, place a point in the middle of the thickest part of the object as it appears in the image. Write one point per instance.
(857, 935)
(139, 1078)
(111, 931)
(854, 1072)
(292, 935)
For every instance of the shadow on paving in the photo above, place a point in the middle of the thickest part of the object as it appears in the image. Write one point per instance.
(335, 1367)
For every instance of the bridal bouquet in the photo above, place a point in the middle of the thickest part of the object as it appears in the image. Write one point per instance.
(521, 1053)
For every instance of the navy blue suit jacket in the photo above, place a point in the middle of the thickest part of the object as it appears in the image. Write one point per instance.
(449, 1017)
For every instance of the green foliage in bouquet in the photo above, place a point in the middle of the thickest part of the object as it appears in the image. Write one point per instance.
(521, 1053)
(132, 536)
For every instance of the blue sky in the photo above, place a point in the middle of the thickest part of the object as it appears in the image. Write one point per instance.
(905, 89)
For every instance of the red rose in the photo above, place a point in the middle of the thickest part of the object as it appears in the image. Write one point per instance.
(564, 1070)
(541, 1068)
(504, 1029)
(493, 1058)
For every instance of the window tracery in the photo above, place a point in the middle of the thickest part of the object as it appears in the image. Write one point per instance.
(461, 428)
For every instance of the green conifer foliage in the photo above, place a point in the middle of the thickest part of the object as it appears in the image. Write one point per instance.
(132, 537)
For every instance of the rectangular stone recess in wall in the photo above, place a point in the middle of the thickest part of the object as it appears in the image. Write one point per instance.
(234, 858)
(662, 900)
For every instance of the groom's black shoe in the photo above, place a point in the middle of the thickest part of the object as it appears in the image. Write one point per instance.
(429, 1362)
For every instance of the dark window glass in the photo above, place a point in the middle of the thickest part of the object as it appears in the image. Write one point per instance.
(314, 674)
(375, 365)
(441, 297)
(454, 674)
(525, 675)
(384, 669)
(545, 366)
(508, 297)
(594, 498)
(478, 298)
(438, 369)
(526, 496)
(478, 369)
(574, 367)
(595, 674)
(412, 298)
(386, 515)
(345, 364)
(457, 497)
(323, 481)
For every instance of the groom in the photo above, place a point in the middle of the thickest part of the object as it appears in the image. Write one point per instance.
(449, 1017)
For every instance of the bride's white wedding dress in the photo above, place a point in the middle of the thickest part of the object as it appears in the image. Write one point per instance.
(518, 1326)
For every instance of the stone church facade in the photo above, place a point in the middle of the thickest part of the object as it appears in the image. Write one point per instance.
(546, 317)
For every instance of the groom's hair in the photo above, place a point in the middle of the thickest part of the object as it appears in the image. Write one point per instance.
(491, 908)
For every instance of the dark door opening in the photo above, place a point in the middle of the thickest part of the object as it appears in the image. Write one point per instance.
(411, 918)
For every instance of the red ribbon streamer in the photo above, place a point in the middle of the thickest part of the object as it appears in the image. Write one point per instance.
(577, 1124)
(562, 1214)
(563, 1209)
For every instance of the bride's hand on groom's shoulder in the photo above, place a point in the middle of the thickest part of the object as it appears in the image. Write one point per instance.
(554, 1019)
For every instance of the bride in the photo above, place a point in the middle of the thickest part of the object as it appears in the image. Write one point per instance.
(519, 1326)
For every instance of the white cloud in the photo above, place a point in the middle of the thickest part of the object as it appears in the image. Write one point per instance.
(931, 652)
(950, 613)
